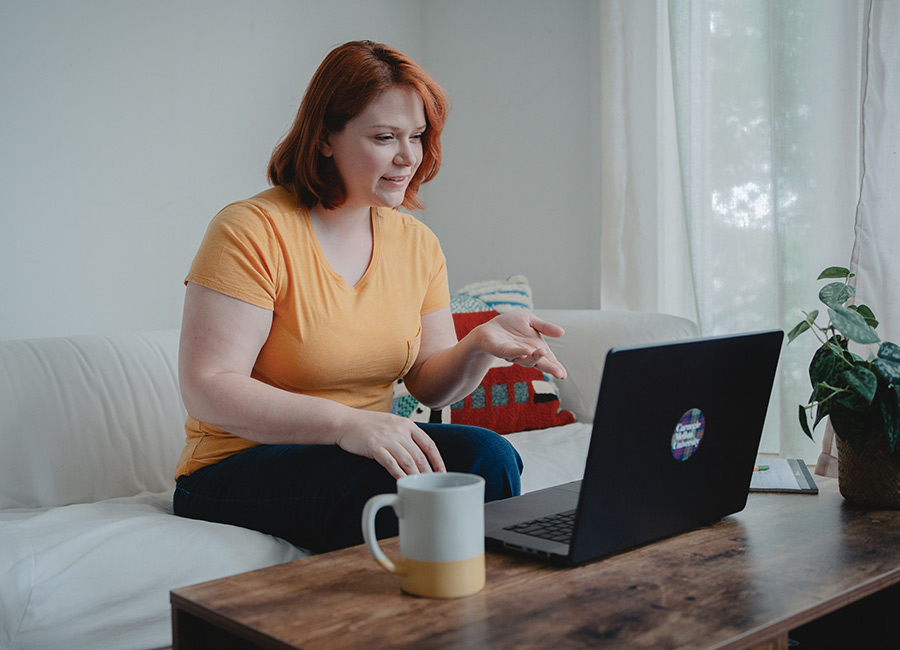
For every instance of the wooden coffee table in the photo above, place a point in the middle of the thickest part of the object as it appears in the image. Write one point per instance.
(743, 582)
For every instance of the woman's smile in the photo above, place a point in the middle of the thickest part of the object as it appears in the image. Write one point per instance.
(397, 180)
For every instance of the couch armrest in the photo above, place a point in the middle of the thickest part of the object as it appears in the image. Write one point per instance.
(590, 333)
(87, 418)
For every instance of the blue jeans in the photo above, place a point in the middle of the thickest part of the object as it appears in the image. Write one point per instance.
(313, 495)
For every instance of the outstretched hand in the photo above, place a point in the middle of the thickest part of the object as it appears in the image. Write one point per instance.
(517, 337)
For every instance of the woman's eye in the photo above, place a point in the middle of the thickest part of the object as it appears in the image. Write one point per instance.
(389, 137)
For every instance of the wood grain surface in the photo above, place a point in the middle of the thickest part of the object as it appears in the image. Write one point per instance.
(743, 582)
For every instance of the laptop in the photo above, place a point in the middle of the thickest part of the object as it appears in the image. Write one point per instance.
(673, 446)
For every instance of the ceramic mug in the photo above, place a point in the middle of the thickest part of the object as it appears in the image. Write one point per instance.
(441, 533)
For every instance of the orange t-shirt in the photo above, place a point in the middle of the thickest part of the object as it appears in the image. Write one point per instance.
(328, 339)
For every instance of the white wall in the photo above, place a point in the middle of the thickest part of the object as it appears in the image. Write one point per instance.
(514, 195)
(125, 126)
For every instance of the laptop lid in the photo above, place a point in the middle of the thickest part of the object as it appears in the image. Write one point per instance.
(675, 436)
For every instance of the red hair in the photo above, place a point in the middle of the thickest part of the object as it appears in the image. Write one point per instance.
(346, 82)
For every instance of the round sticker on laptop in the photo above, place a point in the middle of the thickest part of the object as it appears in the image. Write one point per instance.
(688, 434)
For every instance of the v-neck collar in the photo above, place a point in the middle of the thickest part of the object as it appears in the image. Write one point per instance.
(375, 217)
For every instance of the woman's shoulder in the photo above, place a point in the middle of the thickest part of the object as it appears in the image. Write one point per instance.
(276, 198)
(275, 201)
(267, 210)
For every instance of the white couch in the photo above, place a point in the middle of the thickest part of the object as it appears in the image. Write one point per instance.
(90, 429)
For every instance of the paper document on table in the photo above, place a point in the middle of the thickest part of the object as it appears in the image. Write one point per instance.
(782, 475)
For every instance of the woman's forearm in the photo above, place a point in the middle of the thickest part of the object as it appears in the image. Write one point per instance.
(451, 374)
(261, 413)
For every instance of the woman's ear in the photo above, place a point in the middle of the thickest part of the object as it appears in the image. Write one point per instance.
(324, 144)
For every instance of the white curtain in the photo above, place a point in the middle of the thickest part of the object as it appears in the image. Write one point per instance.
(876, 251)
(743, 147)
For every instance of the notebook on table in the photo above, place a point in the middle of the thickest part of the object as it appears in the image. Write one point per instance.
(673, 446)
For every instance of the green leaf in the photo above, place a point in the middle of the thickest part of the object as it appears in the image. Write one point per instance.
(852, 325)
(822, 393)
(888, 369)
(835, 272)
(852, 401)
(836, 294)
(865, 312)
(889, 400)
(855, 427)
(838, 344)
(803, 326)
(861, 381)
(888, 362)
(894, 432)
(804, 423)
(889, 351)
(799, 328)
(822, 365)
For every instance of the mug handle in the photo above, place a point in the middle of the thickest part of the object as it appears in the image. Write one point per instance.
(371, 508)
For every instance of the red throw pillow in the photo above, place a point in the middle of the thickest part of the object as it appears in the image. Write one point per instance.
(510, 397)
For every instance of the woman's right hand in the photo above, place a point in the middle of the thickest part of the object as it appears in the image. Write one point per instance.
(394, 442)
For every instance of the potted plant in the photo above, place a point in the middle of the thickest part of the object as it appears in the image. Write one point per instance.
(858, 388)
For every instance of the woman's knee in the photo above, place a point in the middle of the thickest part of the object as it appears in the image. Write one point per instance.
(479, 451)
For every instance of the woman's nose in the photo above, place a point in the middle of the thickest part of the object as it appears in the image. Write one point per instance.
(406, 155)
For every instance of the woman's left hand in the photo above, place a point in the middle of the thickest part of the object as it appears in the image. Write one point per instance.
(517, 336)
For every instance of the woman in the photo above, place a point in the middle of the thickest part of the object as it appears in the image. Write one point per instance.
(307, 302)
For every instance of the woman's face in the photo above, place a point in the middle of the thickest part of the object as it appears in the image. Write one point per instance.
(379, 151)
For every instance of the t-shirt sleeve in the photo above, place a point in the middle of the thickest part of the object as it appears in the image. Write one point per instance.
(437, 295)
(238, 256)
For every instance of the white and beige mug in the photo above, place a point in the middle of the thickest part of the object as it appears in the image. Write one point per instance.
(441, 533)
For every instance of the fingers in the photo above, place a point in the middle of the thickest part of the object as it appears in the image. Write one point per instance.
(396, 443)
(384, 458)
(532, 351)
(401, 460)
(426, 444)
(406, 459)
(552, 367)
(543, 360)
(546, 328)
(542, 357)
(418, 454)
(397, 465)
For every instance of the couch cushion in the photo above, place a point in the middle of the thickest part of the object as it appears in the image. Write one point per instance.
(513, 293)
(552, 456)
(88, 418)
(99, 575)
(510, 397)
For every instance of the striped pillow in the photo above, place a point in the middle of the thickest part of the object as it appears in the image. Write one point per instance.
(499, 295)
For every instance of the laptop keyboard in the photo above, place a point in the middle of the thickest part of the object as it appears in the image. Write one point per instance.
(557, 527)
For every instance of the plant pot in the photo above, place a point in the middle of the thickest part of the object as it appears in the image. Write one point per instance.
(871, 479)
